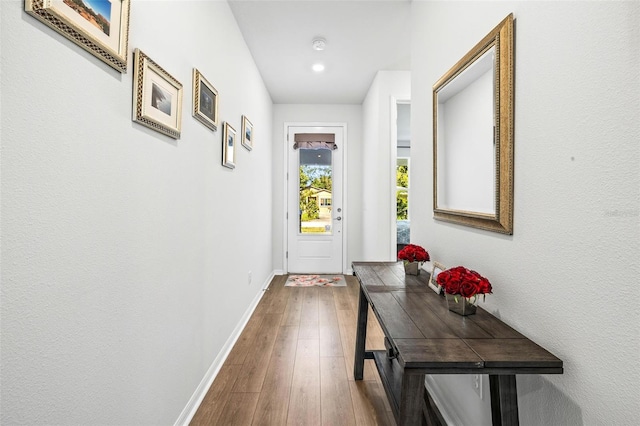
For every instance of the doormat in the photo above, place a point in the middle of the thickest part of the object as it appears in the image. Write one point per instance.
(315, 280)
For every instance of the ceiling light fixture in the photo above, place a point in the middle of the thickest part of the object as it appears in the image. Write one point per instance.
(318, 67)
(319, 43)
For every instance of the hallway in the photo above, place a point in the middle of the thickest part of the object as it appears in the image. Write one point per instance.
(293, 364)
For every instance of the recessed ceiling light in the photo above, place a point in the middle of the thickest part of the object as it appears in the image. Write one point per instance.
(319, 43)
(318, 67)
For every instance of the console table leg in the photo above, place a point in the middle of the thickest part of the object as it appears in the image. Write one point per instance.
(411, 400)
(504, 400)
(361, 336)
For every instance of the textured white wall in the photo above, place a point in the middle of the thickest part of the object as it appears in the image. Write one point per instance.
(568, 277)
(378, 164)
(352, 116)
(124, 253)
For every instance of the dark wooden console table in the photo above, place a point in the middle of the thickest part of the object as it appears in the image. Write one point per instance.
(424, 337)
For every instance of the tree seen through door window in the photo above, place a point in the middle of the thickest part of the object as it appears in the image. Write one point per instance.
(313, 179)
(402, 192)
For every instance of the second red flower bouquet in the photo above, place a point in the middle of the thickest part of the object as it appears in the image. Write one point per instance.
(413, 253)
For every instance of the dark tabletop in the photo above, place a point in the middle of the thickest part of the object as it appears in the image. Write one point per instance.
(427, 336)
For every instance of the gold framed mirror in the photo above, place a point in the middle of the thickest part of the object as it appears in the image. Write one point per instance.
(473, 114)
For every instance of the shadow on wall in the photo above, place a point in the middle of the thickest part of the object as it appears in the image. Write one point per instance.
(551, 407)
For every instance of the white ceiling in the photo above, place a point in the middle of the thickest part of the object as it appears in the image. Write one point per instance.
(362, 37)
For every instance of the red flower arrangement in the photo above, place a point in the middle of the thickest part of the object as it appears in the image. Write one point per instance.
(463, 281)
(413, 253)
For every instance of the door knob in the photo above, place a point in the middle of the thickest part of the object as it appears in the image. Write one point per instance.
(339, 218)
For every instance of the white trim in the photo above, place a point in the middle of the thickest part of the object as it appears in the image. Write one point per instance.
(196, 399)
(447, 408)
(393, 155)
(285, 236)
(345, 206)
(285, 192)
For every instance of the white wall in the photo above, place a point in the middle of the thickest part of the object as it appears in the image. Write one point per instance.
(378, 164)
(124, 253)
(568, 277)
(352, 116)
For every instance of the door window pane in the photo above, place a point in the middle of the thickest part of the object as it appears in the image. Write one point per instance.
(316, 191)
(402, 189)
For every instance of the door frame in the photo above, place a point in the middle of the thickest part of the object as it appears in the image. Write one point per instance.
(345, 208)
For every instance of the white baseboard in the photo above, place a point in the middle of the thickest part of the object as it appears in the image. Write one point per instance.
(446, 407)
(196, 399)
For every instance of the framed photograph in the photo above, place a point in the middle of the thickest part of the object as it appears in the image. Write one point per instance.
(247, 133)
(205, 101)
(435, 270)
(228, 146)
(157, 97)
(101, 27)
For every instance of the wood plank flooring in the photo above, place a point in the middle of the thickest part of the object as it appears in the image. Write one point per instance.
(293, 364)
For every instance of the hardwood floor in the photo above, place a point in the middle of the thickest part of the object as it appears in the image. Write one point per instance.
(293, 364)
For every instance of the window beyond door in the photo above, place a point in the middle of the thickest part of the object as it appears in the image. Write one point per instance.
(315, 177)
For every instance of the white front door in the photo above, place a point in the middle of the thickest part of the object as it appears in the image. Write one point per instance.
(314, 199)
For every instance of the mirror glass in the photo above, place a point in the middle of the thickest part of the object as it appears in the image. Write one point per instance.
(466, 154)
(473, 136)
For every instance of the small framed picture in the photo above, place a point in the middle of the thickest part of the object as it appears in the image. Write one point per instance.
(205, 101)
(247, 133)
(435, 270)
(101, 27)
(157, 97)
(228, 146)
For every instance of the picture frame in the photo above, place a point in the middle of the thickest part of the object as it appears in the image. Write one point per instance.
(247, 133)
(157, 97)
(99, 27)
(228, 146)
(205, 101)
(435, 270)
